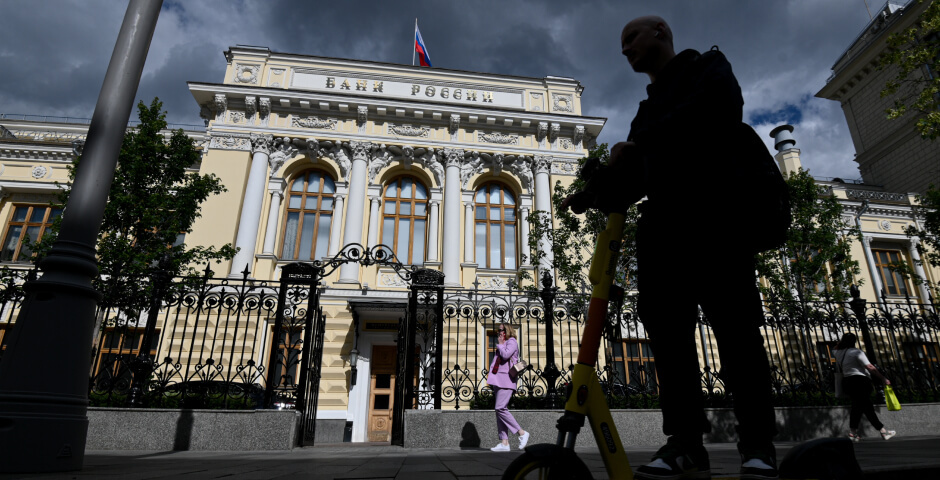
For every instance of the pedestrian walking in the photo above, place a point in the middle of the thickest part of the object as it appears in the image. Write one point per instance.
(856, 382)
(507, 354)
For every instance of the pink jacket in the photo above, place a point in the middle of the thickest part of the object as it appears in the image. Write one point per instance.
(507, 355)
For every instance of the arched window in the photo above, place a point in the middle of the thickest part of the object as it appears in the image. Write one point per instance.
(404, 219)
(495, 226)
(309, 213)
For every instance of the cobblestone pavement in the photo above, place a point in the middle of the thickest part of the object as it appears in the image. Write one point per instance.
(910, 458)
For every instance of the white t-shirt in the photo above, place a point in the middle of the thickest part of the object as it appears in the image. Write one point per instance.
(853, 362)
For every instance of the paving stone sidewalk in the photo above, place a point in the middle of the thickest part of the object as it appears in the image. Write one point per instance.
(910, 458)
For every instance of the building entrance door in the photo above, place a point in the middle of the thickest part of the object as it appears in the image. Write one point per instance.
(381, 392)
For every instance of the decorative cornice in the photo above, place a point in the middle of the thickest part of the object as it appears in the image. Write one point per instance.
(409, 131)
(578, 135)
(553, 133)
(229, 141)
(264, 108)
(876, 196)
(563, 167)
(314, 122)
(541, 131)
(362, 115)
(219, 105)
(497, 137)
(454, 123)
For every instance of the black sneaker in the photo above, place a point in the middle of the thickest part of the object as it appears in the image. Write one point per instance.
(758, 465)
(675, 462)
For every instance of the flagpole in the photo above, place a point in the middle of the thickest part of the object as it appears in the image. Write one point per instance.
(413, 40)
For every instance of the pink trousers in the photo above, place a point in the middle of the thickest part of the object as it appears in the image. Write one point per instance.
(505, 422)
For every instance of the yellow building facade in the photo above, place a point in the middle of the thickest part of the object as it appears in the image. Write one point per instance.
(441, 166)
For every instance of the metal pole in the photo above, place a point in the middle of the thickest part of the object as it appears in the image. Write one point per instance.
(44, 398)
(550, 373)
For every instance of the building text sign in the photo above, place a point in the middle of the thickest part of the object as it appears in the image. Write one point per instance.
(405, 90)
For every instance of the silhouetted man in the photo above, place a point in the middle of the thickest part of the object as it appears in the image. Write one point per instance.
(679, 155)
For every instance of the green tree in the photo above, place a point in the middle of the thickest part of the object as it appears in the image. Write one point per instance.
(572, 241)
(929, 233)
(816, 257)
(914, 53)
(152, 204)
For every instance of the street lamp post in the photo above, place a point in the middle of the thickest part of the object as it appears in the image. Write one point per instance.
(44, 398)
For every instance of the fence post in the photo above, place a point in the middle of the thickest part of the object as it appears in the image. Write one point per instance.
(550, 373)
(858, 306)
(142, 365)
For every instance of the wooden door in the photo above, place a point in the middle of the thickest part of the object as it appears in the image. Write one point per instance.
(382, 393)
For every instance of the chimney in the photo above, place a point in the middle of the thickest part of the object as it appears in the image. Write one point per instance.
(788, 156)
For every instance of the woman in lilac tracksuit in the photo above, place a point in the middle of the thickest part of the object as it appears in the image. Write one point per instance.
(507, 355)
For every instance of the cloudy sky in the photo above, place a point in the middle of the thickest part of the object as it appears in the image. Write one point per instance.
(54, 53)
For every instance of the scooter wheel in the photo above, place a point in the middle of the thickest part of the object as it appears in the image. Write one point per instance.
(547, 462)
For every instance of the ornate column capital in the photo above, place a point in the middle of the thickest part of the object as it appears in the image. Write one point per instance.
(452, 157)
(276, 193)
(361, 150)
(261, 143)
(543, 164)
(866, 241)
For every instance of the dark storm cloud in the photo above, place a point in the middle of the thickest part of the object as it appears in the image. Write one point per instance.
(53, 53)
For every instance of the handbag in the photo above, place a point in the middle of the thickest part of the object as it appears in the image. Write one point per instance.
(891, 399)
(516, 369)
(837, 377)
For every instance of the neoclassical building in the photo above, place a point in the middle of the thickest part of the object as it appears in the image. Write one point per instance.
(441, 166)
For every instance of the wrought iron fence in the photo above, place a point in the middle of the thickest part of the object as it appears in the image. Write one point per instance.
(799, 337)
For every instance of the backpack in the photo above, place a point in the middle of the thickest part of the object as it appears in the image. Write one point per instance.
(763, 194)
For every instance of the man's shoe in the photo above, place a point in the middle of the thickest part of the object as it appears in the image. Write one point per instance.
(888, 434)
(500, 448)
(676, 462)
(758, 466)
(523, 440)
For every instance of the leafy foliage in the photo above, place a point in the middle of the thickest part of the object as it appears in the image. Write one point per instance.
(816, 257)
(915, 53)
(572, 241)
(929, 234)
(153, 199)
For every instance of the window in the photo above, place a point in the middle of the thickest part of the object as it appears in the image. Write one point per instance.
(5, 330)
(288, 342)
(824, 350)
(118, 346)
(404, 219)
(894, 283)
(27, 220)
(309, 215)
(633, 363)
(925, 355)
(495, 227)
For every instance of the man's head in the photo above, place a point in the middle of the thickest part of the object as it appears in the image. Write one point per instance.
(647, 44)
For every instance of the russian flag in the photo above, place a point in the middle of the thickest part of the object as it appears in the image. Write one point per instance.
(421, 50)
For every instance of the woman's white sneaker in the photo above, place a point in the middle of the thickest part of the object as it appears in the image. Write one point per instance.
(500, 448)
(523, 440)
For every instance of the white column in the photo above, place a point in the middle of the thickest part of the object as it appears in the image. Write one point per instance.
(349, 273)
(873, 268)
(919, 269)
(373, 222)
(335, 229)
(524, 233)
(247, 236)
(468, 236)
(543, 166)
(276, 189)
(433, 231)
(451, 268)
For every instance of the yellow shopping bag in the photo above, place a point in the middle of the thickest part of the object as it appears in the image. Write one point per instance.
(891, 399)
